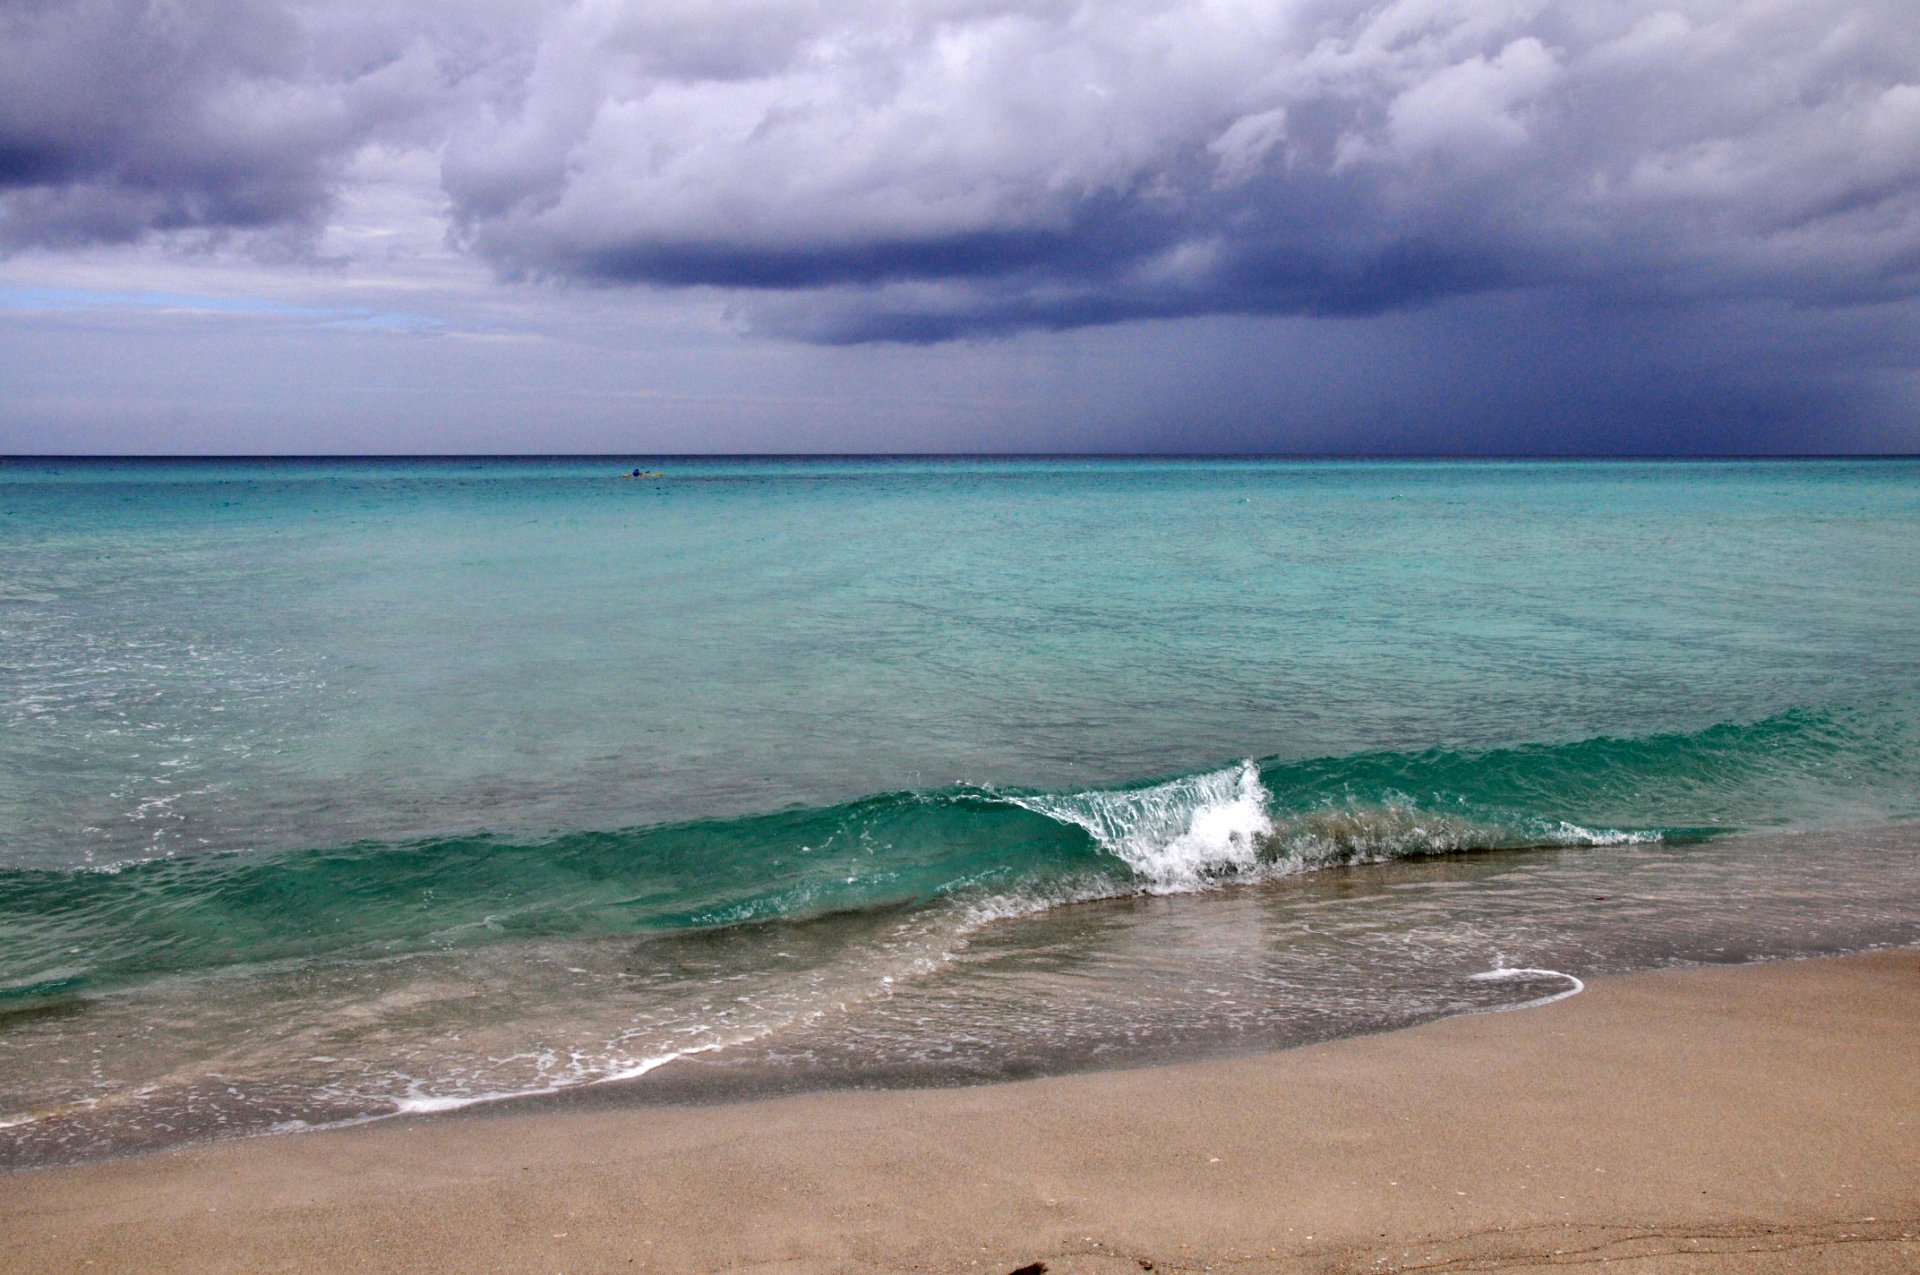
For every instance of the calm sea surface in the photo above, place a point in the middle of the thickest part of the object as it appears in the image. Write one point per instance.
(335, 789)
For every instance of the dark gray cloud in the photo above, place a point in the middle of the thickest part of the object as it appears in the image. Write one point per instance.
(120, 119)
(919, 170)
(926, 170)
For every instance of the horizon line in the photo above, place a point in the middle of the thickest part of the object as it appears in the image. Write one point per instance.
(46, 457)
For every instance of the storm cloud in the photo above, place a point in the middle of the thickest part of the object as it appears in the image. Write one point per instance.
(895, 170)
(927, 170)
(124, 119)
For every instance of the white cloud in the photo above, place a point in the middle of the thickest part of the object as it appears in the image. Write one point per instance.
(1475, 105)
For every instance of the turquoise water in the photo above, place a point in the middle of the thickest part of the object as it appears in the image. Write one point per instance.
(525, 776)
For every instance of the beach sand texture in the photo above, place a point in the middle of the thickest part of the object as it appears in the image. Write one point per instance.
(1758, 1118)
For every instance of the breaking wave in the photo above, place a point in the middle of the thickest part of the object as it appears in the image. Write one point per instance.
(991, 852)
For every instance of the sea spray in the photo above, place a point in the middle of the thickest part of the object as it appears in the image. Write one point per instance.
(1178, 835)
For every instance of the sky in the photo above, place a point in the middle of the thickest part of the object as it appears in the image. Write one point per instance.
(674, 226)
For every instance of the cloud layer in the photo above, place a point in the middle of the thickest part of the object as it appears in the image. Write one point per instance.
(924, 169)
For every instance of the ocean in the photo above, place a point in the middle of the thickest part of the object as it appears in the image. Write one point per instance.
(337, 789)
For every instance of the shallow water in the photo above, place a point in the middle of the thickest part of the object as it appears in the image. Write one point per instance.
(335, 789)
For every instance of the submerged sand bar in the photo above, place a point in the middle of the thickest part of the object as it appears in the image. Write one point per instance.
(1759, 1118)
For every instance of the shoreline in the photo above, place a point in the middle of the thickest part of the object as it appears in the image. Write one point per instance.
(1756, 1117)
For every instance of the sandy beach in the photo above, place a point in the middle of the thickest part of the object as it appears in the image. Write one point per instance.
(1758, 1118)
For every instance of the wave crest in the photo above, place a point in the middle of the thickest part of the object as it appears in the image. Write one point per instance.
(986, 851)
(1176, 836)
(1201, 830)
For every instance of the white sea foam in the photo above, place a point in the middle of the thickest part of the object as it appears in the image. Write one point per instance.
(417, 1102)
(1573, 834)
(1514, 974)
(1203, 830)
(1175, 836)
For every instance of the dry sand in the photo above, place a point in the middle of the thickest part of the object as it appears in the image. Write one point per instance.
(1765, 1118)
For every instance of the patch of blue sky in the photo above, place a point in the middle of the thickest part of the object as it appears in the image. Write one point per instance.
(382, 321)
(46, 299)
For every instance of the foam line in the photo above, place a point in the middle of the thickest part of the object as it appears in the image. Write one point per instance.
(417, 1103)
(1508, 975)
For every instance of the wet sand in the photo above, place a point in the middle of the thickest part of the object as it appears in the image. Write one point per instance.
(1760, 1118)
